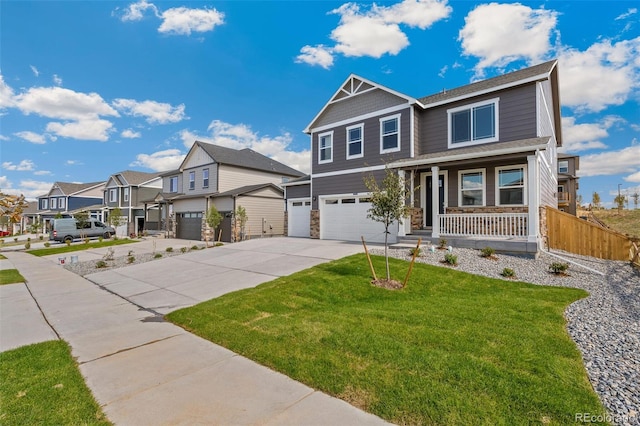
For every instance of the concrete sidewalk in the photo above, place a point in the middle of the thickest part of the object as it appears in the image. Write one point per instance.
(143, 370)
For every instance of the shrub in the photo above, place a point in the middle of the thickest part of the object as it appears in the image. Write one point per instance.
(15, 240)
(28, 239)
(47, 244)
(451, 259)
(68, 243)
(183, 249)
(218, 244)
(157, 255)
(101, 264)
(115, 238)
(131, 259)
(169, 249)
(27, 246)
(415, 251)
(558, 268)
(100, 239)
(109, 255)
(194, 247)
(488, 252)
(443, 243)
(508, 273)
(86, 240)
(41, 237)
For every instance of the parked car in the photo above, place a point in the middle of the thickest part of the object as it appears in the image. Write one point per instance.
(69, 230)
(5, 233)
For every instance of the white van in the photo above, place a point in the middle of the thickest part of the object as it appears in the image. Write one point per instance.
(69, 230)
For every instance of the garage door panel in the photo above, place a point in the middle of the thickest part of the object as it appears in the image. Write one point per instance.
(346, 219)
(299, 218)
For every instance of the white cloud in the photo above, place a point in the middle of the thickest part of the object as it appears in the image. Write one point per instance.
(57, 80)
(94, 129)
(130, 134)
(34, 70)
(154, 112)
(4, 138)
(500, 33)
(603, 75)
(6, 94)
(631, 11)
(240, 136)
(136, 11)
(635, 177)
(374, 32)
(29, 188)
(183, 21)
(23, 166)
(316, 55)
(585, 136)
(5, 184)
(626, 160)
(65, 104)
(32, 137)
(168, 159)
(42, 172)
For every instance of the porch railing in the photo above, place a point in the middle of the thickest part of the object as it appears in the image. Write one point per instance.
(496, 225)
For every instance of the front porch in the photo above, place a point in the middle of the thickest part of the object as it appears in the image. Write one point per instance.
(515, 245)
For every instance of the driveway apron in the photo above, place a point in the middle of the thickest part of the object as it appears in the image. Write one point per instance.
(143, 370)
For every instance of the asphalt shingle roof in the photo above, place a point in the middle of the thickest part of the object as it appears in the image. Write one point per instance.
(69, 188)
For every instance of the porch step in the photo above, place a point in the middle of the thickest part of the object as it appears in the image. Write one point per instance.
(512, 245)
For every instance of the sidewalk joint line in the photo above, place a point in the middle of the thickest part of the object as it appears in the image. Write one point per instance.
(130, 348)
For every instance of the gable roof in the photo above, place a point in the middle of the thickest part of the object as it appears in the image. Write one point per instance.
(248, 189)
(134, 178)
(246, 158)
(71, 188)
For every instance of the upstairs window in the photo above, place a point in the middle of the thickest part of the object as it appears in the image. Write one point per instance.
(54, 203)
(44, 203)
(471, 187)
(61, 203)
(563, 166)
(511, 186)
(390, 134)
(192, 180)
(126, 195)
(113, 195)
(325, 148)
(472, 124)
(205, 178)
(173, 184)
(354, 141)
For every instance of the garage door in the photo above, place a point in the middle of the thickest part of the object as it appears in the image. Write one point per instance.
(345, 218)
(189, 225)
(299, 218)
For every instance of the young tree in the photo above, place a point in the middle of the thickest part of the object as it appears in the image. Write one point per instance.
(115, 218)
(619, 200)
(635, 197)
(12, 206)
(595, 200)
(213, 219)
(240, 221)
(387, 203)
(82, 219)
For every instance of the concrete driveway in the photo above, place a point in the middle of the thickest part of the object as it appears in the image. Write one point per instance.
(172, 283)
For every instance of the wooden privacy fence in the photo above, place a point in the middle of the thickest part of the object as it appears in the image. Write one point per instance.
(569, 233)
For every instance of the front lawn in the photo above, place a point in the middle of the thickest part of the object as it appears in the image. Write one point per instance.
(63, 248)
(451, 348)
(10, 276)
(41, 385)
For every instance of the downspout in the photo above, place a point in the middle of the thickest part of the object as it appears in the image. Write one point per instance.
(547, 251)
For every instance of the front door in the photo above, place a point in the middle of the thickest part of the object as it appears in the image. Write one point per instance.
(428, 211)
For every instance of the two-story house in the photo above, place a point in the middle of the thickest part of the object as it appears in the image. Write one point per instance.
(568, 185)
(125, 191)
(66, 198)
(226, 178)
(480, 159)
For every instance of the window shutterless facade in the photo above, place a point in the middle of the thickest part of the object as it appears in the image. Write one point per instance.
(44, 203)
(61, 203)
(511, 184)
(471, 187)
(390, 134)
(325, 147)
(563, 166)
(355, 136)
(473, 124)
(173, 184)
(126, 195)
(54, 203)
(113, 195)
(192, 180)
(205, 178)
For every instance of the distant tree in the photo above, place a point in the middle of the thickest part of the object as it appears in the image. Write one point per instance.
(595, 200)
(12, 206)
(387, 203)
(619, 200)
(115, 218)
(579, 200)
(213, 219)
(635, 197)
(82, 219)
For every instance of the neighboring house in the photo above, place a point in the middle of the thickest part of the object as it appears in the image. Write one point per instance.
(488, 147)
(226, 178)
(65, 197)
(568, 185)
(29, 217)
(126, 191)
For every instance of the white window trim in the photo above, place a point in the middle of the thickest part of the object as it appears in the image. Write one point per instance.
(495, 138)
(524, 184)
(61, 203)
(205, 180)
(54, 203)
(320, 136)
(113, 195)
(192, 180)
(560, 166)
(484, 186)
(125, 194)
(387, 118)
(45, 203)
(361, 127)
(175, 188)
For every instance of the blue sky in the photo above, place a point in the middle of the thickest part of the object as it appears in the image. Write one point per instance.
(89, 88)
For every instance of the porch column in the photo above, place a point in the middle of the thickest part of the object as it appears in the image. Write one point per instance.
(435, 202)
(407, 224)
(532, 198)
(402, 223)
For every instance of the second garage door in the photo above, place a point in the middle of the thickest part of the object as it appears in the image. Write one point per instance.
(299, 218)
(189, 225)
(345, 218)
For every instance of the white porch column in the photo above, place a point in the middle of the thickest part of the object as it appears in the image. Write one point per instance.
(533, 177)
(403, 222)
(435, 202)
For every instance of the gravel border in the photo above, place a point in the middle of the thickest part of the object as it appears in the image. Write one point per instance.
(605, 325)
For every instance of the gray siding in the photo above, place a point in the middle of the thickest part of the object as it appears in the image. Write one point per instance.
(166, 183)
(145, 194)
(545, 110)
(199, 188)
(343, 184)
(298, 191)
(371, 144)
(358, 105)
(548, 186)
(517, 116)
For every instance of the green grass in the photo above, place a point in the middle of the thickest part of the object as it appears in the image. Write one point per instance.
(41, 384)
(78, 247)
(2, 256)
(10, 276)
(451, 348)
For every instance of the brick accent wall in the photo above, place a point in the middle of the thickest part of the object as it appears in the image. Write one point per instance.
(417, 218)
(286, 224)
(315, 224)
(489, 209)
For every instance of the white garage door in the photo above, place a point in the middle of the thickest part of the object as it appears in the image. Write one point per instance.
(345, 218)
(299, 218)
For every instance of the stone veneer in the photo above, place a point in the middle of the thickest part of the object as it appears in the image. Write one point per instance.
(286, 224)
(544, 230)
(315, 224)
(417, 218)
